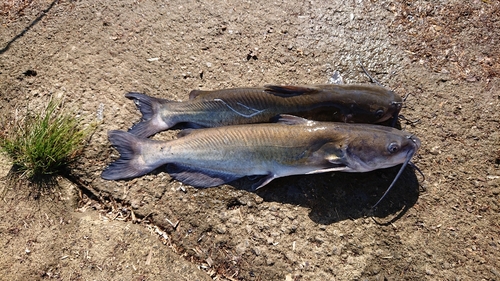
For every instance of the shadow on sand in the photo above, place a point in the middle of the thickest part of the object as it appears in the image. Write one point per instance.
(333, 197)
(35, 21)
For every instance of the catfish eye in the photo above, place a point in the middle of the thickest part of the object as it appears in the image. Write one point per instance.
(379, 113)
(393, 147)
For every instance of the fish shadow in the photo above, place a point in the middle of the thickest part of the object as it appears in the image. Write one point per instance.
(333, 197)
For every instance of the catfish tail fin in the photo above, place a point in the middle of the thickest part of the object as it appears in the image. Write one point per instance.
(152, 121)
(129, 165)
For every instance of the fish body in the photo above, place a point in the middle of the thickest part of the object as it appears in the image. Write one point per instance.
(354, 103)
(292, 146)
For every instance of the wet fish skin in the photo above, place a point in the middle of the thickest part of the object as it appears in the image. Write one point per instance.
(351, 103)
(293, 146)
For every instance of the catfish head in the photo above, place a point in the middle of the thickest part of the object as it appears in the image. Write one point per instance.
(376, 147)
(362, 103)
(370, 102)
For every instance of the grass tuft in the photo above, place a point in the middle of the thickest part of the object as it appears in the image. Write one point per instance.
(43, 145)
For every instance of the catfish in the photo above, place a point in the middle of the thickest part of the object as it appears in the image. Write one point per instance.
(350, 103)
(292, 146)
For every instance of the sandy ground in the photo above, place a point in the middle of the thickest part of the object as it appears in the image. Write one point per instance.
(444, 55)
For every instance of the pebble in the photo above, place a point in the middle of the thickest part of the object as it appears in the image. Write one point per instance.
(435, 150)
(221, 229)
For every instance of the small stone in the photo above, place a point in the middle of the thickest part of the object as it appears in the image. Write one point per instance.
(435, 150)
(257, 251)
(220, 229)
(495, 190)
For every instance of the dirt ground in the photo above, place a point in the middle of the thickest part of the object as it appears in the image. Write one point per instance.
(443, 55)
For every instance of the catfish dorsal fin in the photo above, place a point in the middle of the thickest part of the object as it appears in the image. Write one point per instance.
(293, 120)
(290, 91)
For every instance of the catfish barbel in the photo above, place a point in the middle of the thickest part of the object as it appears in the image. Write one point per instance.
(292, 146)
(354, 103)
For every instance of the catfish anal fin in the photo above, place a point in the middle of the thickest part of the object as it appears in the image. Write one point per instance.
(199, 177)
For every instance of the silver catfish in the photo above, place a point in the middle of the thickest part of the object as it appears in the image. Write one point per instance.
(293, 146)
(354, 103)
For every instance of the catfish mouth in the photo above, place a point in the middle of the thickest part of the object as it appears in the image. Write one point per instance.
(392, 111)
(416, 141)
(396, 105)
(395, 108)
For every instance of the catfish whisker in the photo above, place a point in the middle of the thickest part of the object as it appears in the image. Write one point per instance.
(406, 96)
(411, 122)
(373, 80)
(408, 158)
(418, 170)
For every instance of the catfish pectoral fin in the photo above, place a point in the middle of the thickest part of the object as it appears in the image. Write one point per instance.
(326, 170)
(264, 180)
(199, 177)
